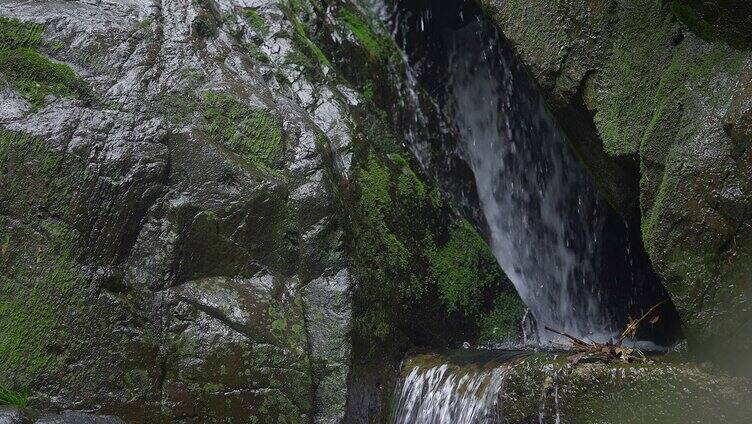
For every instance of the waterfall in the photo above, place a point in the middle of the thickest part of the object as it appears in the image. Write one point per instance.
(479, 126)
(543, 217)
(435, 390)
(541, 213)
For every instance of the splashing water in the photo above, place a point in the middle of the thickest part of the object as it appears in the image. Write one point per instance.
(441, 394)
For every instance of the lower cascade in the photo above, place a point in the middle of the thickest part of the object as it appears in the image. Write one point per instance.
(433, 392)
(436, 395)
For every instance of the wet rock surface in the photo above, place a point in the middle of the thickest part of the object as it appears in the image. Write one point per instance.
(189, 229)
(662, 392)
(164, 235)
(11, 415)
(637, 82)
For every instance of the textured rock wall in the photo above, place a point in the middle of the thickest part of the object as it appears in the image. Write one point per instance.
(172, 241)
(189, 192)
(639, 81)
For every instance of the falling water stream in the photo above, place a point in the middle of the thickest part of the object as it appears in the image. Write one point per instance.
(575, 262)
(541, 212)
(499, 154)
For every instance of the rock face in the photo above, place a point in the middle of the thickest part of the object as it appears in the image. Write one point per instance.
(189, 191)
(638, 82)
(166, 224)
(10, 415)
(542, 386)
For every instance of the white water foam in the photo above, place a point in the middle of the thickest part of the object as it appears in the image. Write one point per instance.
(440, 394)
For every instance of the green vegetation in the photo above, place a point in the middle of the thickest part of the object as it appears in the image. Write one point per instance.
(37, 178)
(622, 393)
(34, 300)
(304, 44)
(646, 74)
(639, 54)
(464, 269)
(413, 266)
(207, 22)
(697, 25)
(36, 77)
(15, 34)
(10, 397)
(257, 21)
(32, 74)
(253, 134)
(378, 46)
(503, 323)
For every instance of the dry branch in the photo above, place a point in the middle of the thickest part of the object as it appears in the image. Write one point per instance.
(607, 352)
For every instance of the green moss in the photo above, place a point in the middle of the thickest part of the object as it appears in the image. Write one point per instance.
(32, 74)
(464, 269)
(378, 46)
(385, 257)
(375, 127)
(689, 67)
(36, 77)
(645, 72)
(640, 53)
(253, 134)
(11, 397)
(258, 22)
(15, 34)
(208, 20)
(37, 177)
(542, 387)
(304, 44)
(697, 25)
(34, 300)
(503, 322)
(408, 260)
(539, 26)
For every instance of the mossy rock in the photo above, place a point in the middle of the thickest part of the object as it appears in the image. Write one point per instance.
(546, 387)
(32, 74)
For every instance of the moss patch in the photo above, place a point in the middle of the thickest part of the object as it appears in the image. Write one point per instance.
(15, 34)
(254, 134)
(378, 46)
(413, 265)
(258, 22)
(696, 24)
(541, 386)
(32, 74)
(639, 54)
(307, 53)
(34, 300)
(464, 268)
(503, 322)
(12, 397)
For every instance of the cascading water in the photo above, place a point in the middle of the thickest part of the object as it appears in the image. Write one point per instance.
(446, 391)
(541, 212)
(437, 395)
(568, 254)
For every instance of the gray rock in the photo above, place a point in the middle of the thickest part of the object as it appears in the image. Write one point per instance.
(11, 415)
(187, 258)
(78, 418)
